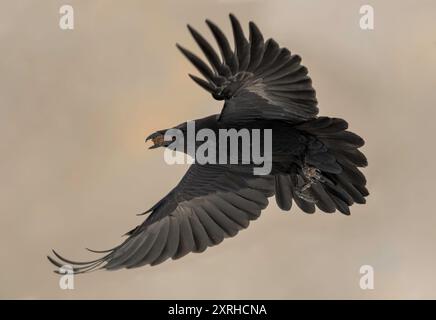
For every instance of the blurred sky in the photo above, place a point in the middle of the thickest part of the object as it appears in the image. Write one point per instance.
(75, 107)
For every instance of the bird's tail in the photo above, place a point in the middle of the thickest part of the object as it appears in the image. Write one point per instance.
(329, 177)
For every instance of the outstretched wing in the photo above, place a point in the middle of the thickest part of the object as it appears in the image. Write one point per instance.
(257, 80)
(210, 203)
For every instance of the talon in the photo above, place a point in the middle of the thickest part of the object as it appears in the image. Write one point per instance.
(310, 175)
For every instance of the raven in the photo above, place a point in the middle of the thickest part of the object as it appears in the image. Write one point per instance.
(315, 159)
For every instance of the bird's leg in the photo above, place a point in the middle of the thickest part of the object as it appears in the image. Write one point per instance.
(310, 175)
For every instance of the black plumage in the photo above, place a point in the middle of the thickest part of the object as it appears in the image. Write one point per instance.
(315, 160)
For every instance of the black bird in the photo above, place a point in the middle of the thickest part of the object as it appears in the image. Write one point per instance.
(315, 160)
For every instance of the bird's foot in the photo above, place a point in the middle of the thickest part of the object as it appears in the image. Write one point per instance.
(310, 175)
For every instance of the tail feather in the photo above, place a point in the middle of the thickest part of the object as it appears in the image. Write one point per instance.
(323, 199)
(341, 205)
(283, 192)
(353, 157)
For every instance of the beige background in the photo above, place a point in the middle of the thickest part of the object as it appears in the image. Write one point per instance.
(75, 107)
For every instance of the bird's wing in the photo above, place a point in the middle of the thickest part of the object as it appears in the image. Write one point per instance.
(210, 203)
(257, 80)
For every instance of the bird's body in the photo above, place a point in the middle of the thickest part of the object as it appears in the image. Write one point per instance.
(321, 144)
(314, 159)
(287, 142)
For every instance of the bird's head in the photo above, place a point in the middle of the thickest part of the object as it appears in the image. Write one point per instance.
(158, 139)
(167, 137)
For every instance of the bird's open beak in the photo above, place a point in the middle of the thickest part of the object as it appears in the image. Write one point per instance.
(157, 139)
